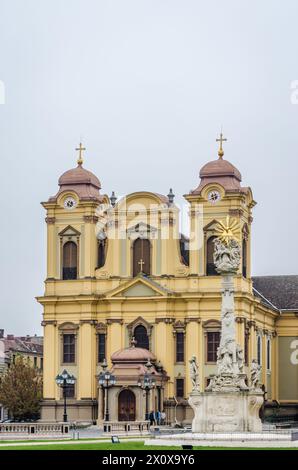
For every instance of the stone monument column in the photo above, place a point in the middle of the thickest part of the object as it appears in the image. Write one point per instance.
(228, 404)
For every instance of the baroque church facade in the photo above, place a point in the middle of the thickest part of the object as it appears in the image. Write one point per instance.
(124, 285)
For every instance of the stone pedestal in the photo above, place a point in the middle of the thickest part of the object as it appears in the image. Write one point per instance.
(226, 411)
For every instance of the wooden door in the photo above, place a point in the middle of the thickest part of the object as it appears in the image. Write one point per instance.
(126, 406)
(141, 256)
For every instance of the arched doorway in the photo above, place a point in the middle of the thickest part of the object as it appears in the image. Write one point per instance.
(141, 256)
(126, 406)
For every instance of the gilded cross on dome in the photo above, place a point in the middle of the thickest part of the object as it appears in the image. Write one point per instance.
(80, 149)
(221, 140)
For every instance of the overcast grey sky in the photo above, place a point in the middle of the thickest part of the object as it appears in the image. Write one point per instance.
(147, 84)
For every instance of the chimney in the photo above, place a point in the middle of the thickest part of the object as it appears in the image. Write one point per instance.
(1, 333)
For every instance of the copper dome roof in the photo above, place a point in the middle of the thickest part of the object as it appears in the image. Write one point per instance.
(132, 354)
(79, 175)
(84, 183)
(218, 168)
(222, 172)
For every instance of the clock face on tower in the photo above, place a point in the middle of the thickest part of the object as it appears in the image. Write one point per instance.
(213, 197)
(69, 203)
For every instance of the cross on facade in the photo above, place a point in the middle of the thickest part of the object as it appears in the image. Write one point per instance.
(221, 140)
(141, 263)
(80, 149)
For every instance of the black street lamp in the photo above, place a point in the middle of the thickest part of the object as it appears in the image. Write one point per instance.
(64, 380)
(147, 384)
(106, 380)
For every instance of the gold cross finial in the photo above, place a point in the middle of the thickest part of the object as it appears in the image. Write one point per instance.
(221, 140)
(80, 149)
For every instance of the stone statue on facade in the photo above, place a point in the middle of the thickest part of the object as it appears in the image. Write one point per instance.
(255, 375)
(194, 374)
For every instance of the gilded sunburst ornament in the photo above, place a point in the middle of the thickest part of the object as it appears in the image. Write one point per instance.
(227, 230)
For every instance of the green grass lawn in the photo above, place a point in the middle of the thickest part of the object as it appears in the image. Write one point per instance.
(122, 446)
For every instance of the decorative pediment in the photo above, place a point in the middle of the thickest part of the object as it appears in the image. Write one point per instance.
(68, 327)
(211, 226)
(69, 231)
(139, 321)
(140, 286)
(212, 325)
(141, 230)
(101, 328)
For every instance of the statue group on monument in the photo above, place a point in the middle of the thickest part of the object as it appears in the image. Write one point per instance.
(230, 357)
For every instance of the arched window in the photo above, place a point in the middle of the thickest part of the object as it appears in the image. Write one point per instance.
(210, 266)
(101, 253)
(244, 257)
(141, 256)
(184, 250)
(70, 260)
(259, 350)
(141, 336)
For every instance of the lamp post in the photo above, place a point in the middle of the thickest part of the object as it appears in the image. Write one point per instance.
(64, 380)
(147, 384)
(106, 380)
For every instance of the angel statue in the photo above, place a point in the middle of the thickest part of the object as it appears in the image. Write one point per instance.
(194, 374)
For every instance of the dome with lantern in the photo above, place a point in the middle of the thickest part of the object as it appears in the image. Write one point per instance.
(79, 180)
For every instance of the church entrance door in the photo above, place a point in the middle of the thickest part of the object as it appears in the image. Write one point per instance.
(126, 406)
(141, 256)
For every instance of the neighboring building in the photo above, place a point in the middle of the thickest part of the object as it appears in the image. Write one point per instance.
(136, 276)
(30, 348)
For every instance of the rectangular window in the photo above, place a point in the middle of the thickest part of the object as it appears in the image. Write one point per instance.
(268, 355)
(101, 347)
(70, 391)
(41, 363)
(179, 347)
(68, 349)
(259, 350)
(180, 388)
(35, 362)
(246, 348)
(213, 338)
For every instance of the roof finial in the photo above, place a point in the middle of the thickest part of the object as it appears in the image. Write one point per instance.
(221, 140)
(80, 149)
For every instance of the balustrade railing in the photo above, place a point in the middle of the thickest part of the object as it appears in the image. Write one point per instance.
(126, 426)
(34, 428)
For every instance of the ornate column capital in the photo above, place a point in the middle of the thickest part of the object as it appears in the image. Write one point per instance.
(110, 321)
(93, 219)
(50, 220)
(167, 320)
(49, 322)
